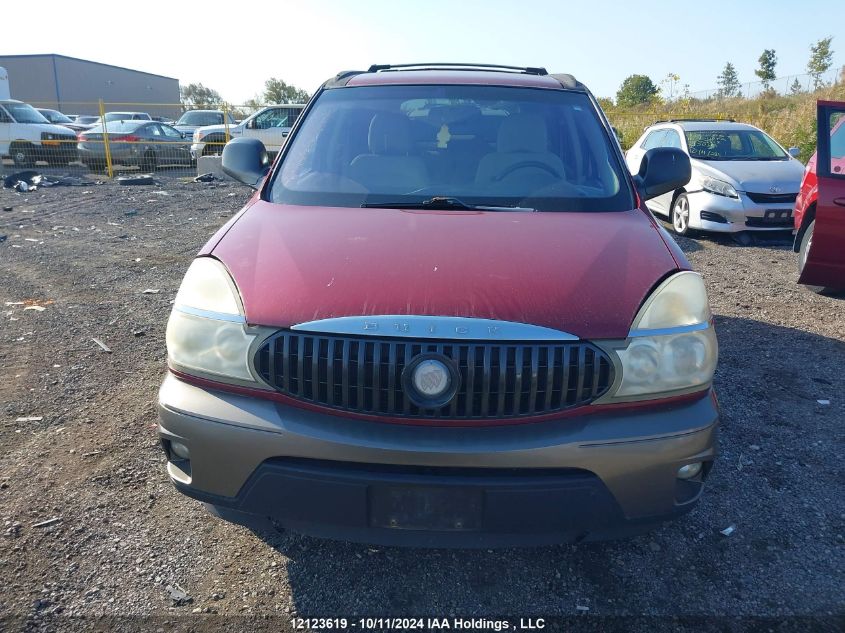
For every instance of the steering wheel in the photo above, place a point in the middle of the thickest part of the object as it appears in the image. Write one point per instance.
(526, 164)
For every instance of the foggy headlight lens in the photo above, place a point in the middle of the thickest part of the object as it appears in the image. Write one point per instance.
(672, 346)
(657, 364)
(206, 333)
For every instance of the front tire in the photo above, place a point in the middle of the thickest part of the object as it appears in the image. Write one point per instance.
(22, 155)
(680, 215)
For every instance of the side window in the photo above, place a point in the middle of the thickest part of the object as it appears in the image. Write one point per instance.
(654, 139)
(169, 132)
(268, 119)
(154, 130)
(4, 117)
(837, 135)
(673, 139)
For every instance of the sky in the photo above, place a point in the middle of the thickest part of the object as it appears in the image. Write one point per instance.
(235, 47)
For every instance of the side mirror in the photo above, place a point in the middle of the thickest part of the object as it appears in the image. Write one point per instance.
(246, 160)
(250, 125)
(663, 169)
(795, 152)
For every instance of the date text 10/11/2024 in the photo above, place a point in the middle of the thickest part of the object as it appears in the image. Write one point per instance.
(405, 624)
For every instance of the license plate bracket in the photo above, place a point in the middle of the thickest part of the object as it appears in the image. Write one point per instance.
(425, 508)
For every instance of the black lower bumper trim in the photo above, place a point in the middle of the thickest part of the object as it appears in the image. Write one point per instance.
(433, 507)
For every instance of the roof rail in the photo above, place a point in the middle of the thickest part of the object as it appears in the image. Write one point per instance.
(342, 78)
(528, 70)
(693, 120)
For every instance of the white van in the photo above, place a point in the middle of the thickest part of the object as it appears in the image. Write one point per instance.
(26, 136)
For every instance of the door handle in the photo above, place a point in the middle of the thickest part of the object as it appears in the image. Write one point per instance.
(839, 201)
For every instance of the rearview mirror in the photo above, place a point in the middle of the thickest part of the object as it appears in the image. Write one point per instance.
(246, 160)
(662, 169)
(795, 152)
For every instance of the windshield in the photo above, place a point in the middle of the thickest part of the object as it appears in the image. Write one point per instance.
(200, 118)
(733, 145)
(481, 145)
(84, 120)
(24, 113)
(56, 117)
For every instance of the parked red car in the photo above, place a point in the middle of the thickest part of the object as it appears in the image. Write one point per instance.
(445, 318)
(820, 206)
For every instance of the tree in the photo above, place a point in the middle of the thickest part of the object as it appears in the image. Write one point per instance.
(605, 103)
(821, 59)
(728, 82)
(198, 96)
(636, 90)
(768, 60)
(796, 88)
(277, 91)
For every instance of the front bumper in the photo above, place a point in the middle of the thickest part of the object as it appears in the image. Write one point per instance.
(590, 477)
(57, 151)
(720, 214)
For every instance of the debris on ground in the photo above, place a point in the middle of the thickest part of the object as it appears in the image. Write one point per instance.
(728, 530)
(823, 402)
(178, 595)
(105, 347)
(36, 308)
(209, 177)
(48, 522)
(30, 180)
(135, 180)
(150, 291)
(32, 418)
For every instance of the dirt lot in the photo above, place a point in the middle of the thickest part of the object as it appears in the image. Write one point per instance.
(77, 431)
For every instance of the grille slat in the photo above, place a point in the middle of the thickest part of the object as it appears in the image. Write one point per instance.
(362, 374)
(330, 373)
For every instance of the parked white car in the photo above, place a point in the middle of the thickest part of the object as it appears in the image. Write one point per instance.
(269, 125)
(742, 179)
(26, 136)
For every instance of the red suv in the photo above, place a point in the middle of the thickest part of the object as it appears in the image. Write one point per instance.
(446, 317)
(819, 212)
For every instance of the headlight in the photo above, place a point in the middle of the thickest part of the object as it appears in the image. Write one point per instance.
(197, 136)
(207, 333)
(719, 187)
(671, 348)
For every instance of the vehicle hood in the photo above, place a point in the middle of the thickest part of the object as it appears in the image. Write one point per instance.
(50, 128)
(213, 129)
(757, 176)
(582, 273)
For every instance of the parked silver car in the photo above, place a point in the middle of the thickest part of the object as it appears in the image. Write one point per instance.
(742, 179)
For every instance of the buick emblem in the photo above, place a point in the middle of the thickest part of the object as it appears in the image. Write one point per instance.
(774, 189)
(430, 380)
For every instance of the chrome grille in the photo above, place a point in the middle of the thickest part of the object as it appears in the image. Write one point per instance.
(363, 374)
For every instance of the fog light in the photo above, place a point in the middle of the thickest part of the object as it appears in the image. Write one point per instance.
(181, 451)
(689, 470)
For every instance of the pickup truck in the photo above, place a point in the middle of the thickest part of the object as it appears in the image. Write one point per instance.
(270, 125)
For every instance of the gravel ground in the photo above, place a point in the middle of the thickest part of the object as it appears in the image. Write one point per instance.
(77, 430)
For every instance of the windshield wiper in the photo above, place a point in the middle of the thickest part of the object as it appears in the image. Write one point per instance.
(443, 203)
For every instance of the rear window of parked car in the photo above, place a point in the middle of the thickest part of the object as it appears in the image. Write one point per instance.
(485, 145)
